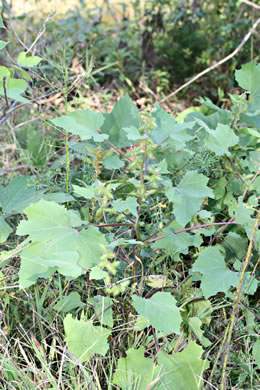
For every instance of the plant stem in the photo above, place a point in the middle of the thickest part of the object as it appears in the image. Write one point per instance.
(237, 301)
(66, 133)
(192, 228)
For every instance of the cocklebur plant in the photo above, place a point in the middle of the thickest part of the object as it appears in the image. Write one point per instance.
(167, 273)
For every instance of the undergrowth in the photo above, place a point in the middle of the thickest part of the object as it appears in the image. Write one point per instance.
(129, 238)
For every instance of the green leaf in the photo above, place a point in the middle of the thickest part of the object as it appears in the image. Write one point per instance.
(37, 147)
(68, 303)
(3, 44)
(58, 197)
(243, 216)
(221, 139)
(47, 220)
(248, 77)
(216, 277)
(42, 259)
(23, 73)
(235, 246)
(130, 204)
(102, 309)
(56, 244)
(6, 256)
(14, 89)
(182, 115)
(5, 230)
(84, 339)
(167, 126)
(158, 281)
(1, 22)
(163, 166)
(202, 310)
(133, 133)
(28, 61)
(189, 195)
(141, 323)
(182, 370)
(5, 72)
(220, 188)
(87, 192)
(15, 197)
(161, 311)
(256, 352)
(31, 269)
(135, 371)
(83, 123)
(195, 326)
(176, 243)
(113, 162)
(90, 243)
(97, 273)
(124, 115)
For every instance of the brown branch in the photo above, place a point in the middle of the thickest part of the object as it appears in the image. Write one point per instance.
(117, 150)
(214, 66)
(251, 4)
(251, 181)
(5, 96)
(236, 170)
(193, 228)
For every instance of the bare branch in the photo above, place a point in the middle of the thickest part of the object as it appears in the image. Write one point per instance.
(251, 4)
(214, 66)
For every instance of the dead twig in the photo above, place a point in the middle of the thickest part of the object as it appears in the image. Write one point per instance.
(214, 66)
(6, 170)
(251, 4)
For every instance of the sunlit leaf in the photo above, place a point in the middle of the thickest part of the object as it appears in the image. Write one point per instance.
(188, 196)
(19, 193)
(103, 309)
(195, 326)
(168, 127)
(84, 339)
(182, 370)
(83, 123)
(56, 243)
(113, 162)
(5, 230)
(130, 204)
(221, 139)
(124, 115)
(256, 352)
(1, 22)
(135, 371)
(69, 302)
(28, 61)
(248, 77)
(216, 277)
(3, 44)
(160, 310)
(14, 89)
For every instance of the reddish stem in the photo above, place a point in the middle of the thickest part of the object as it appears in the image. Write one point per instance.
(193, 228)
